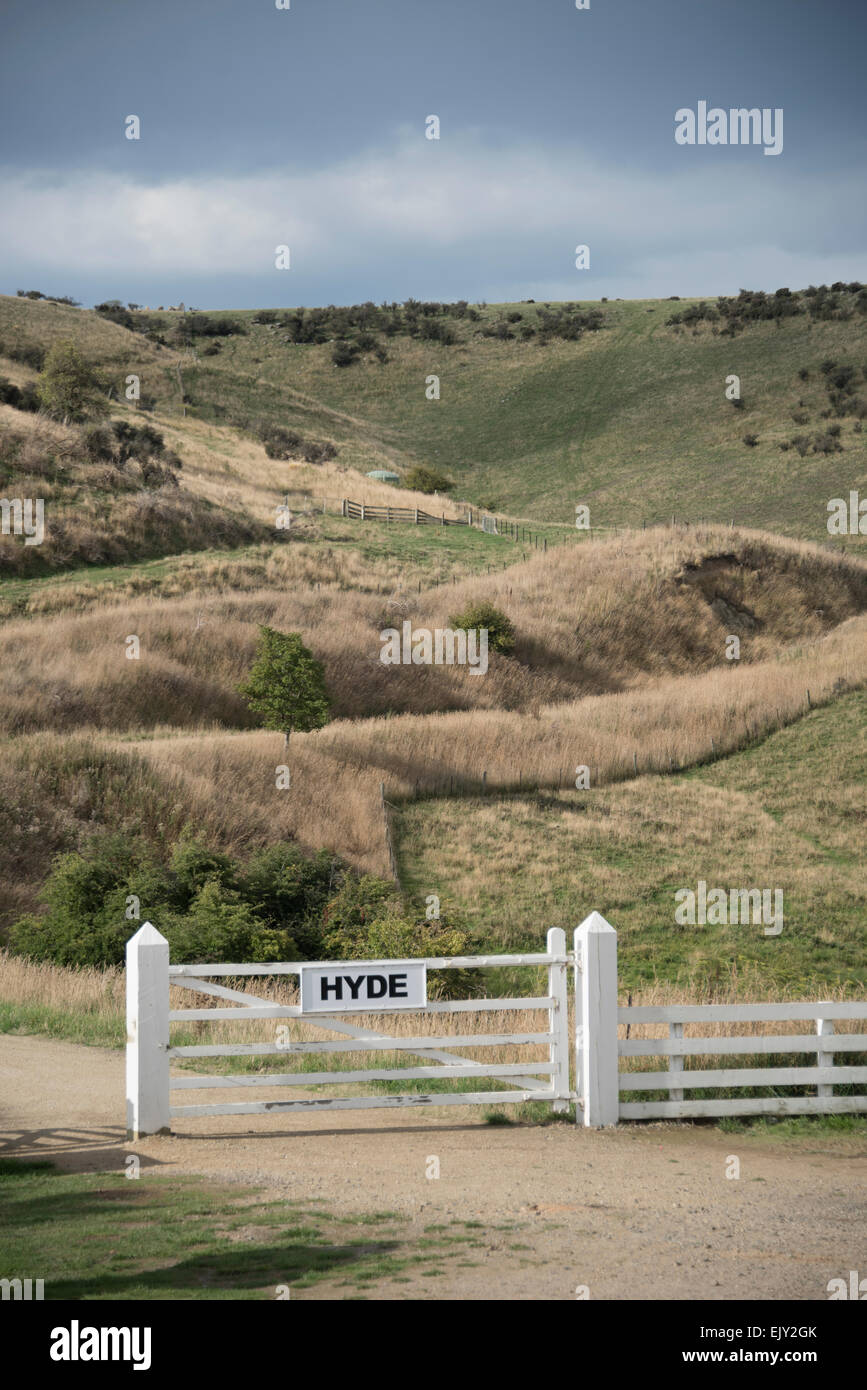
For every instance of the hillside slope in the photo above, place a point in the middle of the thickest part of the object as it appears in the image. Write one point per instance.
(629, 417)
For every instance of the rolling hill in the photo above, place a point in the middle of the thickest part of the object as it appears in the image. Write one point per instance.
(628, 415)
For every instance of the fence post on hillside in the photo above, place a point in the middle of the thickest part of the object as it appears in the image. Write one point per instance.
(596, 1035)
(147, 1033)
(343, 507)
(558, 1019)
(389, 843)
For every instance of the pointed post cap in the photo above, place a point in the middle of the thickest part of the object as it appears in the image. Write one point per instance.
(595, 923)
(147, 935)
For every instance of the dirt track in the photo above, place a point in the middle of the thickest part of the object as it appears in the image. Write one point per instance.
(639, 1212)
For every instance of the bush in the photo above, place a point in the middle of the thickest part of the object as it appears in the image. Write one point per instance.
(31, 354)
(751, 440)
(68, 386)
(280, 443)
(343, 354)
(365, 920)
(501, 631)
(20, 397)
(423, 479)
(205, 903)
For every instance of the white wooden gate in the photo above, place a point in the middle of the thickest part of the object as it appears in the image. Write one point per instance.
(149, 1052)
(598, 1020)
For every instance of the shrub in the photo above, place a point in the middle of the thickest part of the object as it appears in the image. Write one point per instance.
(365, 920)
(68, 387)
(280, 443)
(318, 452)
(349, 912)
(20, 397)
(396, 936)
(207, 905)
(501, 632)
(751, 440)
(343, 354)
(424, 479)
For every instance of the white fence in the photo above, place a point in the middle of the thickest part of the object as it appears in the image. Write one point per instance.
(597, 1047)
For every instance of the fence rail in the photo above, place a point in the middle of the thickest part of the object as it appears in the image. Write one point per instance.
(363, 512)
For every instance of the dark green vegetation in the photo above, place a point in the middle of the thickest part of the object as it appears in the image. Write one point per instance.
(106, 1237)
(500, 628)
(280, 904)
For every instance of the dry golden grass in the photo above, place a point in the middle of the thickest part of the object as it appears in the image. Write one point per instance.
(89, 990)
(201, 576)
(233, 470)
(334, 797)
(603, 617)
(96, 513)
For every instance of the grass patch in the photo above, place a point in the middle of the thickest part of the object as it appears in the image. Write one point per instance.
(796, 1126)
(106, 1237)
(783, 813)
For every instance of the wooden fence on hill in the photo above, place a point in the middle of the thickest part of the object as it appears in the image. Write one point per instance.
(363, 512)
(491, 525)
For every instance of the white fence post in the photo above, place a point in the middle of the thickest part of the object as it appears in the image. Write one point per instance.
(147, 1033)
(596, 1006)
(824, 1029)
(675, 1061)
(558, 1019)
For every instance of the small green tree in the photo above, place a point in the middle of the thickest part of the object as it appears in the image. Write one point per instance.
(68, 386)
(286, 685)
(501, 631)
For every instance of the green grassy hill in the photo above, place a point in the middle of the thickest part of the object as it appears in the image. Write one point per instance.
(784, 813)
(630, 418)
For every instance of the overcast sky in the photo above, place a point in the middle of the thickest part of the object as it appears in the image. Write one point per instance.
(306, 127)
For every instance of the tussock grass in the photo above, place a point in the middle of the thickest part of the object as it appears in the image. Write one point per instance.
(94, 513)
(598, 618)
